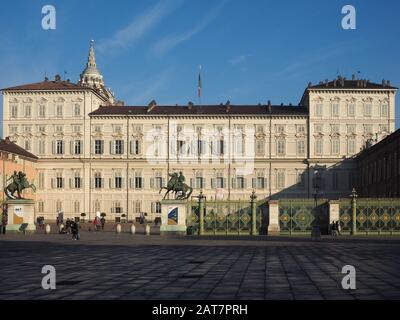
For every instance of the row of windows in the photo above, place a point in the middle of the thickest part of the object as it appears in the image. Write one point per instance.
(336, 111)
(335, 146)
(26, 111)
(117, 147)
(351, 128)
(116, 207)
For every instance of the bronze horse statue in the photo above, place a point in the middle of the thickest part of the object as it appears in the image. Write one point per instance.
(18, 184)
(177, 184)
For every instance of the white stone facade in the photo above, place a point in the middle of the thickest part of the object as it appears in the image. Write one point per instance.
(123, 174)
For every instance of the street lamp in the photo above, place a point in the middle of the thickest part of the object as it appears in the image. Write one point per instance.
(316, 231)
(353, 197)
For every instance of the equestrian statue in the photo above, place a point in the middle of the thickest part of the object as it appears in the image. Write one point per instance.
(177, 184)
(18, 184)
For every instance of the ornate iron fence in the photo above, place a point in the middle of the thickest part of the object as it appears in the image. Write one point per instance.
(227, 217)
(298, 216)
(374, 216)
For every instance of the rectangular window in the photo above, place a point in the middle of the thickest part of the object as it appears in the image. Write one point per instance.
(301, 147)
(119, 147)
(135, 147)
(28, 110)
(77, 147)
(318, 128)
(351, 109)
(77, 182)
(59, 111)
(77, 110)
(41, 180)
(220, 182)
(335, 146)
(42, 111)
(201, 147)
(59, 129)
(199, 183)
(335, 109)
(318, 110)
(138, 182)
(280, 147)
(42, 147)
(280, 180)
(384, 110)
(98, 181)
(41, 207)
(59, 182)
(118, 182)
(99, 147)
(368, 109)
(260, 182)
(239, 183)
(59, 147)
(14, 111)
(351, 146)
(318, 146)
(27, 145)
(260, 147)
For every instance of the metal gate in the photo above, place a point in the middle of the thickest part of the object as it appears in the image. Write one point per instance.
(374, 216)
(298, 216)
(226, 218)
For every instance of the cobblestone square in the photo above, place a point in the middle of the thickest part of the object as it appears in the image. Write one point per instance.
(110, 266)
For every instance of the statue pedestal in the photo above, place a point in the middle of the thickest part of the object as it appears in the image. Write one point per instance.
(173, 217)
(21, 216)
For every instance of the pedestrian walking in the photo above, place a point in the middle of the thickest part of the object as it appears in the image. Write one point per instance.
(75, 230)
(4, 222)
(338, 227)
(103, 222)
(333, 228)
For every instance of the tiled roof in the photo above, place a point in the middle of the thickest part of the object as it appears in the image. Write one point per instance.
(352, 84)
(201, 110)
(47, 85)
(9, 146)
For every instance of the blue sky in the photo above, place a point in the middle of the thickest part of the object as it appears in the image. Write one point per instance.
(251, 51)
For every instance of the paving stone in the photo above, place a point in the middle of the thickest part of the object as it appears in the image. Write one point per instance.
(107, 266)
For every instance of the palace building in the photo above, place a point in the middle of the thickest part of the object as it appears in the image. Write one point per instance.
(97, 155)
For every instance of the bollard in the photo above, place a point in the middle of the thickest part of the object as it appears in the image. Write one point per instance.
(133, 229)
(147, 230)
(47, 229)
(118, 228)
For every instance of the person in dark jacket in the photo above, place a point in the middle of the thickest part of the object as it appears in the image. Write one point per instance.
(75, 230)
(103, 222)
(4, 222)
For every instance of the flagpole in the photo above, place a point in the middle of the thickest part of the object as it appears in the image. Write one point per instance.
(200, 86)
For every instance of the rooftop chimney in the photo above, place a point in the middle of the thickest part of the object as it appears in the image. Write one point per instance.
(269, 106)
(228, 106)
(151, 106)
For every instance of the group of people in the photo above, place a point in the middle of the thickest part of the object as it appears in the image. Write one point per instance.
(99, 223)
(71, 227)
(335, 228)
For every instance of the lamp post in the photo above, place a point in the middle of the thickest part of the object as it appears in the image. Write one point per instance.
(201, 213)
(253, 198)
(316, 230)
(353, 197)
